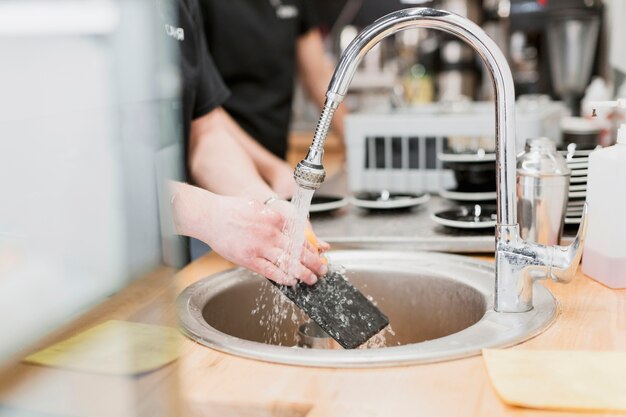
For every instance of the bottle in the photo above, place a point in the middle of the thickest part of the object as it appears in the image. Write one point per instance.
(542, 185)
(604, 255)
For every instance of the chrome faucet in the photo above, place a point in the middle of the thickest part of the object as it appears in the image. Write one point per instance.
(518, 263)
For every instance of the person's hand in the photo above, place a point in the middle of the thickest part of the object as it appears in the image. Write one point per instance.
(280, 179)
(288, 210)
(250, 234)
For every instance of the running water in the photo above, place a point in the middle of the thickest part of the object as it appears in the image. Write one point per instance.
(294, 229)
(272, 307)
(276, 313)
(379, 340)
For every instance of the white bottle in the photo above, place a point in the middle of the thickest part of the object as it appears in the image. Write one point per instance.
(604, 256)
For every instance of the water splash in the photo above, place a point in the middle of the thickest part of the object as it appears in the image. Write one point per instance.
(384, 338)
(294, 230)
(275, 312)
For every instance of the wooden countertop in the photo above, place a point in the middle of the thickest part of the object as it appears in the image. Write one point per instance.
(207, 383)
(204, 382)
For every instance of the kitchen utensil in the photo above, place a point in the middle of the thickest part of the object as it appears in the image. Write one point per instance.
(399, 150)
(324, 203)
(474, 176)
(583, 133)
(338, 308)
(385, 200)
(542, 191)
(457, 195)
(572, 40)
(477, 216)
(312, 336)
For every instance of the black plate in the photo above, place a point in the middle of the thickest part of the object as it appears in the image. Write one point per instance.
(323, 199)
(474, 176)
(327, 203)
(385, 196)
(386, 200)
(474, 216)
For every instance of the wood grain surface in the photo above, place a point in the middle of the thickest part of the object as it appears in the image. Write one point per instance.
(207, 383)
(204, 382)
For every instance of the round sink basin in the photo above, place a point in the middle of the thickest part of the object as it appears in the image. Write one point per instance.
(440, 307)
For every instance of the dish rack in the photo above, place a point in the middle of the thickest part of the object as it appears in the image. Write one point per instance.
(398, 150)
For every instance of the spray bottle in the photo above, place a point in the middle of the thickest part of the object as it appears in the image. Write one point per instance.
(604, 256)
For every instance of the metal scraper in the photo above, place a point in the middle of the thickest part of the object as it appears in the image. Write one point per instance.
(338, 308)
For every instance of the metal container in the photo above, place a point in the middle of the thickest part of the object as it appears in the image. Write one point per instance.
(542, 191)
(310, 335)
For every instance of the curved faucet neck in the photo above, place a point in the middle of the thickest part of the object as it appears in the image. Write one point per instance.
(518, 263)
(491, 55)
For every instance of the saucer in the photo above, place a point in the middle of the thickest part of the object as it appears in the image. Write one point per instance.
(576, 194)
(466, 157)
(578, 187)
(323, 203)
(387, 200)
(578, 165)
(575, 203)
(575, 180)
(468, 196)
(579, 172)
(475, 216)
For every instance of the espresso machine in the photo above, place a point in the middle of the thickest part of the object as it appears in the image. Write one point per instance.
(559, 38)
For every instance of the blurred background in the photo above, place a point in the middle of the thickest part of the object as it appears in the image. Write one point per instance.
(90, 131)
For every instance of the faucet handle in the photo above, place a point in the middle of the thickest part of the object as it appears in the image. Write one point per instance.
(565, 259)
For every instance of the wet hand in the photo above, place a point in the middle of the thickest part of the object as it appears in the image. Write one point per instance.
(250, 234)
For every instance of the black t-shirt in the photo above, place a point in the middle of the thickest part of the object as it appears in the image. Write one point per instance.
(202, 87)
(253, 43)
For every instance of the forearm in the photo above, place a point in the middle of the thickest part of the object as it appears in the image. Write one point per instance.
(219, 164)
(265, 162)
(316, 71)
(190, 206)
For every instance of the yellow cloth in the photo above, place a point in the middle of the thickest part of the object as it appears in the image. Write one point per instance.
(560, 380)
(113, 347)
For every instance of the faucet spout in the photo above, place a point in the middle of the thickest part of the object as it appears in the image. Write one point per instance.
(519, 264)
(510, 248)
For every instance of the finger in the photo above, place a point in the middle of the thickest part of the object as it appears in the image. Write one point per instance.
(304, 273)
(310, 247)
(322, 246)
(312, 260)
(269, 270)
(310, 236)
(273, 218)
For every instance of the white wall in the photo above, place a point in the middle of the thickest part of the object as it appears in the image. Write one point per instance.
(86, 117)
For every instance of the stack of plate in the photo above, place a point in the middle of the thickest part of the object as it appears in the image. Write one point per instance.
(578, 162)
(475, 175)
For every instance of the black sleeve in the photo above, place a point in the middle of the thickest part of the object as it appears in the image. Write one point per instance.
(211, 92)
(308, 17)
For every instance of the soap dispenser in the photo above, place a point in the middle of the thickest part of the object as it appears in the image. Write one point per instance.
(604, 256)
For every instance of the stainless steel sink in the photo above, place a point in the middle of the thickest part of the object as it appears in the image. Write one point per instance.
(440, 307)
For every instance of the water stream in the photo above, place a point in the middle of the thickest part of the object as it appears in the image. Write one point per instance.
(271, 306)
(294, 230)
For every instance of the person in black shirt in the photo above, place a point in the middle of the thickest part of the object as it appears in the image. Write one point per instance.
(244, 231)
(258, 46)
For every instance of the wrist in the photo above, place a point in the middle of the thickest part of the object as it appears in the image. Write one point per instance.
(192, 209)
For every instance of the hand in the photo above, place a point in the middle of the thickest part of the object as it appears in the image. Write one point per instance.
(249, 234)
(281, 180)
(287, 210)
